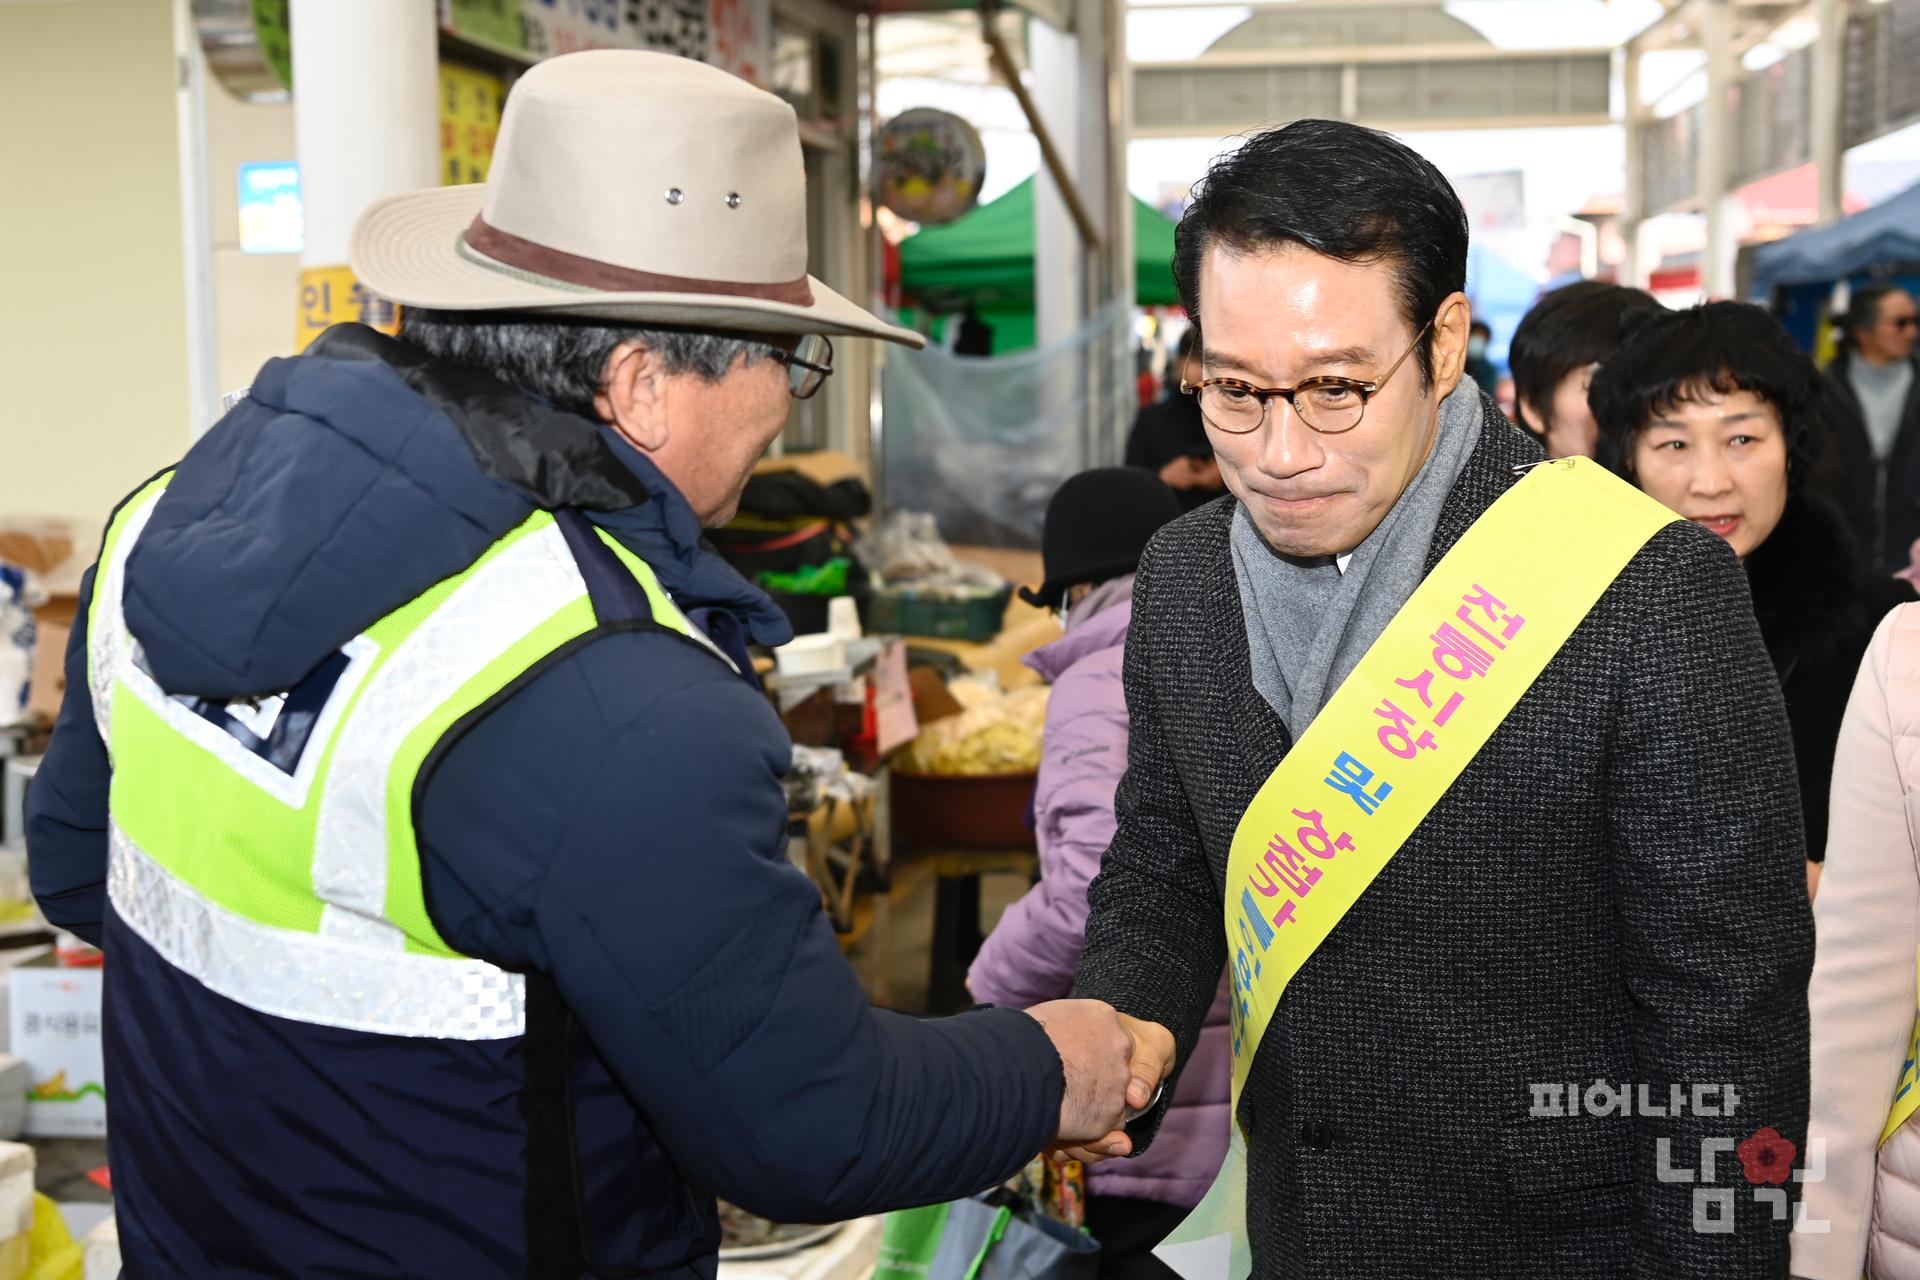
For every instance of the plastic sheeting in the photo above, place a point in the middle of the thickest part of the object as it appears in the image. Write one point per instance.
(983, 441)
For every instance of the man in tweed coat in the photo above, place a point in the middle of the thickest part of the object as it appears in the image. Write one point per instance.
(1612, 891)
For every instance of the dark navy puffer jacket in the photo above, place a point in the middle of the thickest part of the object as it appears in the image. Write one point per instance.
(615, 830)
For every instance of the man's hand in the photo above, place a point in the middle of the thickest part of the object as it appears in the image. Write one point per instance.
(1148, 1069)
(1095, 1053)
(1150, 1061)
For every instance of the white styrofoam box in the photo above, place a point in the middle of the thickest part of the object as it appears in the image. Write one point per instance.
(15, 773)
(812, 654)
(55, 1020)
(102, 1251)
(8, 959)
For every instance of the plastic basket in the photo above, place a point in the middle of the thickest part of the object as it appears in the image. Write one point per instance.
(976, 620)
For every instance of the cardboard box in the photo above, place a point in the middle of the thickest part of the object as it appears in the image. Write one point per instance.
(54, 552)
(51, 548)
(55, 1020)
(53, 627)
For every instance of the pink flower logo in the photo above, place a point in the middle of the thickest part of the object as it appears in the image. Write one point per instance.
(1767, 1157)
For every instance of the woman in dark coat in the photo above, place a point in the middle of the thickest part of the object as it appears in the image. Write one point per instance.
(1713, 411)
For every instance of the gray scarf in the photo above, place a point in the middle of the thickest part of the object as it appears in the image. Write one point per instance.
(1308, 623)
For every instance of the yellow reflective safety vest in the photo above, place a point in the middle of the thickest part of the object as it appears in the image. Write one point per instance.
(267, 848)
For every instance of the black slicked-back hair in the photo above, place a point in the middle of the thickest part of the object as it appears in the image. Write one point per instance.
(1676, 357)
(1339, 189)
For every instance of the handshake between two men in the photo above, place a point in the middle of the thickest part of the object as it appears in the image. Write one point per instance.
(1114, 1067)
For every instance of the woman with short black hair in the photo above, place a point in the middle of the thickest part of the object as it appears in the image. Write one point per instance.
(1715, 412)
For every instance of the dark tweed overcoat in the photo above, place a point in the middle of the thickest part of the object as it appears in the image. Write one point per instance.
(1613, 891)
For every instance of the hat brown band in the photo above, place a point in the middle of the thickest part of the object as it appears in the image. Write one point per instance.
(510, 250)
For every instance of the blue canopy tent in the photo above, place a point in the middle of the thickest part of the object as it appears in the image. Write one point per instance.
(1886, 235)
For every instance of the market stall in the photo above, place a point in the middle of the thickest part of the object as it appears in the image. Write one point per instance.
(984, 262)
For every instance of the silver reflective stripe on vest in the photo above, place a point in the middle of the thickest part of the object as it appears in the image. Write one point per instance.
(355, 972)
(309, 977)
(517, 591)
(289, 789)
(108, 642)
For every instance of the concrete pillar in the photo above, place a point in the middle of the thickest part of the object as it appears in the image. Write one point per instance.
(1715, 159)
(1111, 435)
(1633, 270)
(1061, 260)
(366, 125)
(1079, 94)
(1829, 123)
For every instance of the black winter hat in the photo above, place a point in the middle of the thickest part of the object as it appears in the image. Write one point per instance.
(1097, 525)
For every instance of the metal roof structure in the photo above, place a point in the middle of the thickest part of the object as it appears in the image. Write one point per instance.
(1394, 64)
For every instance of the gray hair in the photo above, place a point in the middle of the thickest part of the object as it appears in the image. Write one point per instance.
(564, 360)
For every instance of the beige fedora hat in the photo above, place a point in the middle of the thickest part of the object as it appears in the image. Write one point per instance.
(626, 186)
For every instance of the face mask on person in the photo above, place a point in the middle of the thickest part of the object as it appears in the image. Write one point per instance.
(1476, 347)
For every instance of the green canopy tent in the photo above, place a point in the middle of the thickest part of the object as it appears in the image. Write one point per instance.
(985, 261)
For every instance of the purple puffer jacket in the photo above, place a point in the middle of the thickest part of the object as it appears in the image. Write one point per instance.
(1031, 953)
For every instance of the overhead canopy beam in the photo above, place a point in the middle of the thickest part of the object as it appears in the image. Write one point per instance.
(1341, 55)
(1049, 153)
(1829, 121)
(1494, 88)
(1684, 24)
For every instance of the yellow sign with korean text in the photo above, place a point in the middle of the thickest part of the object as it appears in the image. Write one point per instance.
(330, 296)
(1388, 745)
(470, 105)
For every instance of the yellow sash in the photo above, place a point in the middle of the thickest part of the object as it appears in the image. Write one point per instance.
(1387, 746)
(1906, 1098)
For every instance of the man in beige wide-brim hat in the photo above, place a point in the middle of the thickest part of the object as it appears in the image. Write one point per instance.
(413, 775)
